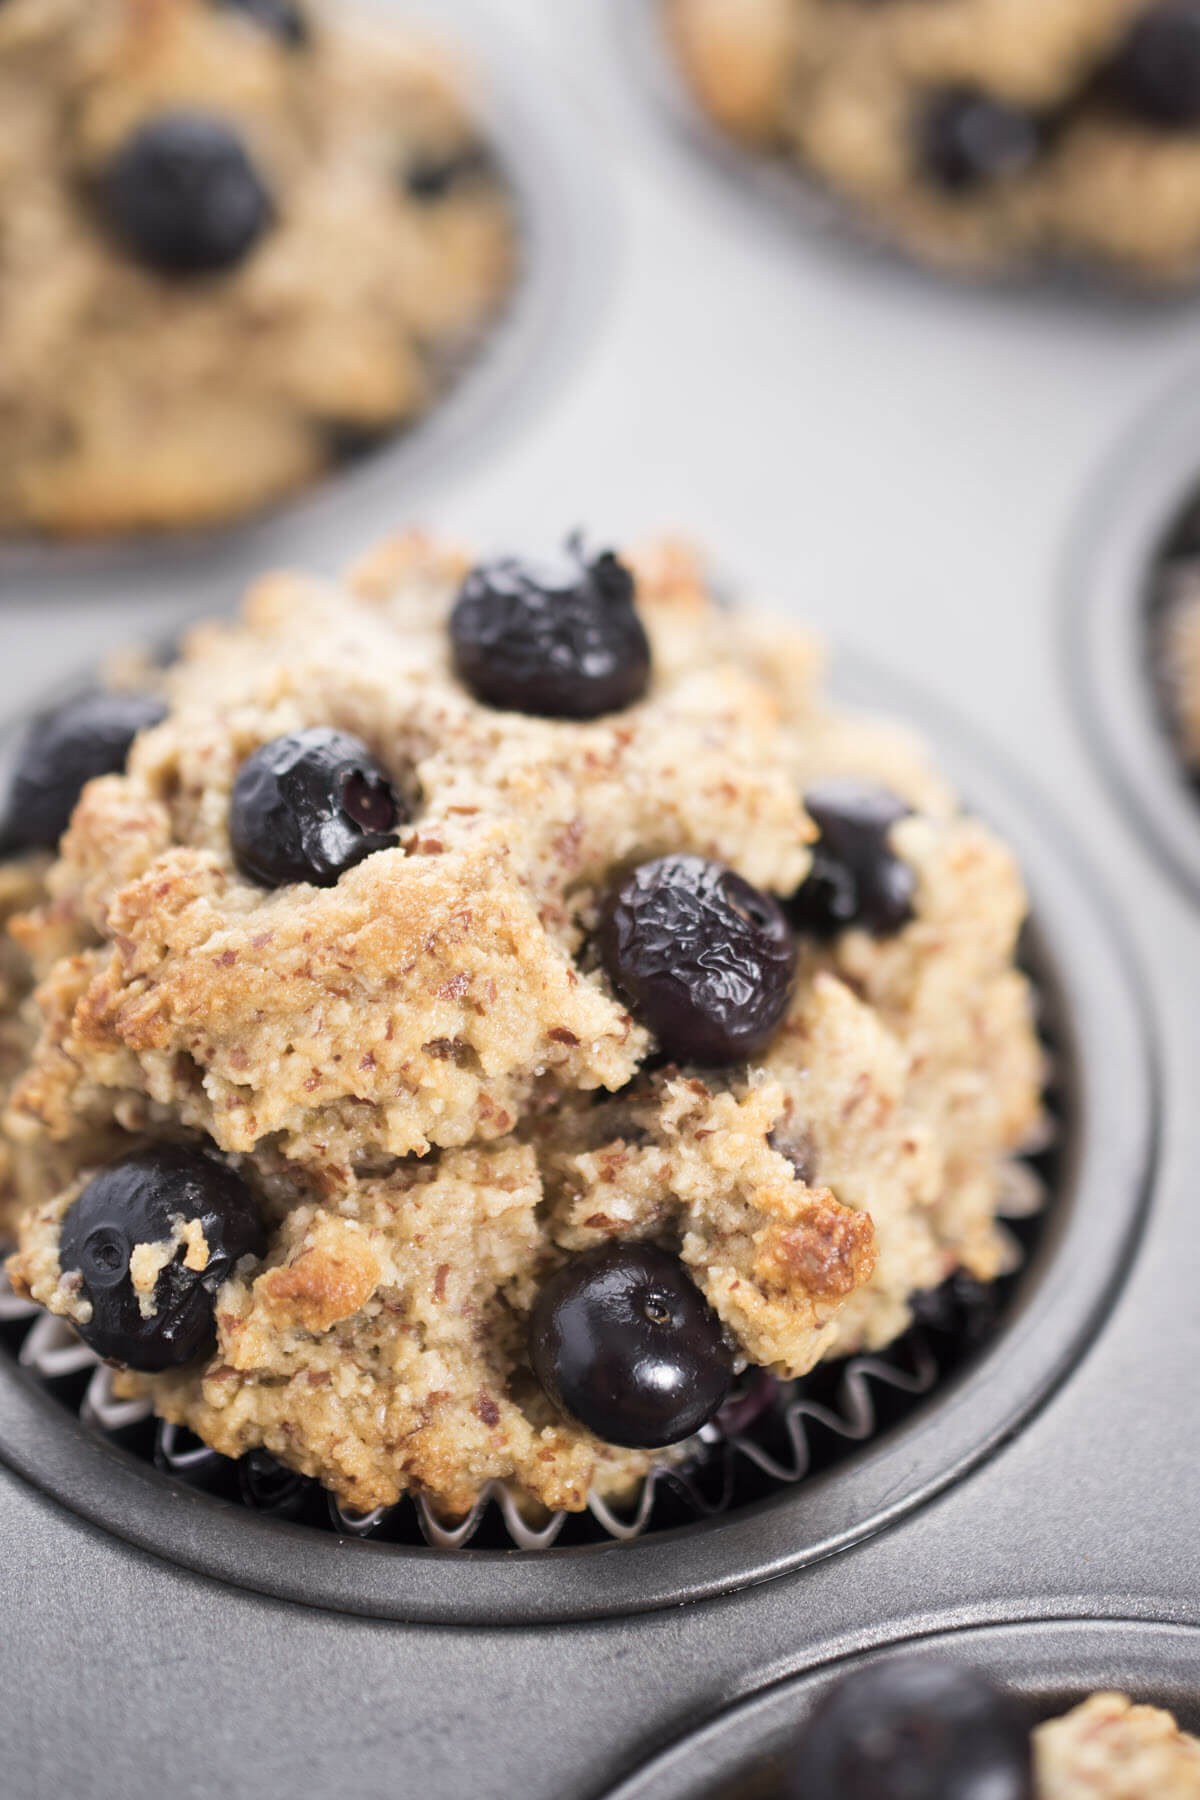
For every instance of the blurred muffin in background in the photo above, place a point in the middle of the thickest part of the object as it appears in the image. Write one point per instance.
(979, 135)
(239, 241)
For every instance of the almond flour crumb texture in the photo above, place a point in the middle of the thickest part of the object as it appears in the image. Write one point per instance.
(978, 134)
(236, 242)
(425, 1073)
(1110, 1749)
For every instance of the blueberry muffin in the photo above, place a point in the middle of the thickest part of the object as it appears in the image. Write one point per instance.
(920, 1725)
(978, 134)
(1182, 661)
(494, 1006)
(239, 240)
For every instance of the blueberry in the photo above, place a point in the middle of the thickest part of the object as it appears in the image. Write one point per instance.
(855, 878)
(700, 957)
(967, 139)
(1156, 71)
(562, 644)
(914, 1728)
(64, 750)
(308, 806)
(279, 17)
(138, 1200)
(622, 1339)
(184, 196)
(430, 177)
(961, 1305)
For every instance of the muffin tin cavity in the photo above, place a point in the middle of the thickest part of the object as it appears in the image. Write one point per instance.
(784, 1475)
(537, 151)
(1135, 561)
(1054, 1665)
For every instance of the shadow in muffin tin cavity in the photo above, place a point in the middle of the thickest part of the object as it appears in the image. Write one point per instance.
(870, 1440)
(1055, 1664)
(1141, 514)
(566, 238)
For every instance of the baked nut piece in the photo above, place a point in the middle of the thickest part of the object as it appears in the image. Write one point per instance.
(572, 1058)
(924, 1725)
(978, 134)
(238, 241)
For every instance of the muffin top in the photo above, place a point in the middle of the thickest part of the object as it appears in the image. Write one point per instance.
(979, 134)
(239, 240)
(553, 967)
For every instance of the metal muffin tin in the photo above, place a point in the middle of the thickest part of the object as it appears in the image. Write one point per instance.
(919, 470)
(1055, 1666)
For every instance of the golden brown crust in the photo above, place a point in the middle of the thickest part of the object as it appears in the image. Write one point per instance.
(131, 401)
(435, 1090)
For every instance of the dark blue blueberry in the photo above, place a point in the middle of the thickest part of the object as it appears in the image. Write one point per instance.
(914, 1728)
(281, 18)
(138, 1200)
(184, 197)
(561, 643)
(1156, 71)
(855, 878)
(700, 957)
(308, 806)
(967, 139)
(64, 750)
(622, 1339)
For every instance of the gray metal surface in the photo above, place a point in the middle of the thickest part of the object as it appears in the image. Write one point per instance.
(906, 465)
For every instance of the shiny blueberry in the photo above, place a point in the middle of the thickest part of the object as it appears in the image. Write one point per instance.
(700, 957)
(1156, 72)
(914, 1728)
(64, 750)
(856, 878)
(308, 806)
(431, 177)
(559, 643)
(967, 139)
(139, 1200)
(622, 1339)
(184, 196)
(281, 18)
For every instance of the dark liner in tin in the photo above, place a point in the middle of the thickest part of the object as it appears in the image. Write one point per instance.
(1135, 532)
(1055, 1664)
(910, 1433)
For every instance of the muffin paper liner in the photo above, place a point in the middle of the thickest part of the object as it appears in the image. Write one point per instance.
(52, 1352)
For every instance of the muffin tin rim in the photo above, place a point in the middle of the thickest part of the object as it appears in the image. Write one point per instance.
(1128, 512)
(1044, 1337)
(698, 1764)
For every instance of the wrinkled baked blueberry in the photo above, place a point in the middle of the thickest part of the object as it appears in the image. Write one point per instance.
(139, 1200)
(700, 957)
(855, 878)
(561, 643)
(1156, 72)
(914, 1728)
(961, 1304)
(184, 196)
(308, 806)
(966, 139)
(64, 750)
(281, 18)
(431, 177)
(622, 1339)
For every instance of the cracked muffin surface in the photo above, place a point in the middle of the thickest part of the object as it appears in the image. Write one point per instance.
(430, 1070)
(978, 134)
(237, 243)
(1109, 1748)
